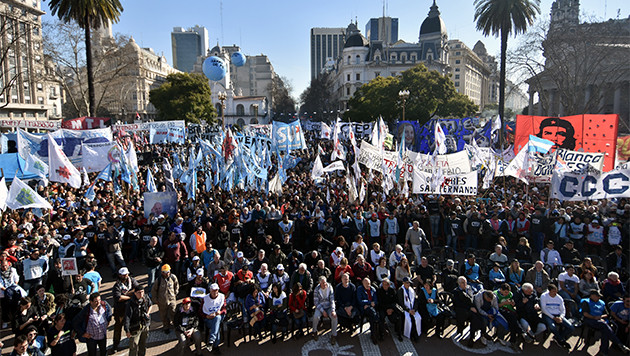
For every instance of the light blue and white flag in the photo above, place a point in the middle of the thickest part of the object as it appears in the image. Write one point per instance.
(539, 145)
(106, 174)
(151, 187)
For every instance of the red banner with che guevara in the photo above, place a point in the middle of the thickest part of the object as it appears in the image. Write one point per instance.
(588, 133)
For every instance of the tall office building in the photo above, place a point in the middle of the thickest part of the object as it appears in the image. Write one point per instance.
(188, 44)
(382, 29)
(326, 46)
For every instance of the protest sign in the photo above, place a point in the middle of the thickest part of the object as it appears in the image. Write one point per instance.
(590, 186)
(160, 203)
(288, 137)
(69, 267)
(464, 184)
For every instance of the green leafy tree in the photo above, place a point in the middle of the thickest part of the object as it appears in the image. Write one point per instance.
(430, 94)
(88, 14)
(501, 18)
(184, 96)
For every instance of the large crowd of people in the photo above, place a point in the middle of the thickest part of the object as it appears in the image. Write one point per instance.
(509, 265)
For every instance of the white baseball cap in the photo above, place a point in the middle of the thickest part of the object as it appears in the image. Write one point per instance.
(123, 270)
(214, 286)
(239, 254)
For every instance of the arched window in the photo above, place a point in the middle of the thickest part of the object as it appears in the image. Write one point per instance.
(253, 121)
(357, 59)
(219, 109)
(240, 109)
(240, 122)
(349, 58)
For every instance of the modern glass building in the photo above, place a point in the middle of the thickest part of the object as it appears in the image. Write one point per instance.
(188, 44)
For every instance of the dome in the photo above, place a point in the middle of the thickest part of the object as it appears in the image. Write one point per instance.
(433, 23)
(356, 40)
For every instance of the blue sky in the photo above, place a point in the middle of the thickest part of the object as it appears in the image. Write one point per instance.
(280, 28)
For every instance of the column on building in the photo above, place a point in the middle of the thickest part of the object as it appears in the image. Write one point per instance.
(530, 109)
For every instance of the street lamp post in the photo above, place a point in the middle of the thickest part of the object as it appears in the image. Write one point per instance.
(403, 94)
(222, 97)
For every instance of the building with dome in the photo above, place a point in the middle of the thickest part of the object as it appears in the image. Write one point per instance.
(362, 60)
(134, 72)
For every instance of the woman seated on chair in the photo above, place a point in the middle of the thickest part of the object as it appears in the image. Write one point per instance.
(277, 306)
(297, 307)
(429, 298)
(255, 306)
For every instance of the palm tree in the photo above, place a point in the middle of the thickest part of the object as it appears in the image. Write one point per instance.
(88, 14)
(500, 18)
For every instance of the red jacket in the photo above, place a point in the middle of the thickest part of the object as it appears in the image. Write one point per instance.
(224, 282)
(297, 302)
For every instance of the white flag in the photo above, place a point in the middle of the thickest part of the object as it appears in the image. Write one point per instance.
(496, 124)
(36, 166)
(21, 196)
(440, 139)
(86, 179)
(518, 167)
(338, 150)
(4, 193)
(335, 166)
(353, 195)
(326, 132)
(60, 168)
(318, 168)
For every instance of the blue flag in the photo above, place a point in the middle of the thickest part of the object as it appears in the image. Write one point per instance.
(150, 182)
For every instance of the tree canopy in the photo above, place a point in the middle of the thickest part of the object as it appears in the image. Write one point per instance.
(281, 100)
(184, 96)
(430, 93)
(319, 97)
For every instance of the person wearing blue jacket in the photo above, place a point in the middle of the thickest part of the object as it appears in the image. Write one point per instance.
(346, 301)
(595, 316)
(366, 297)
(91, 325)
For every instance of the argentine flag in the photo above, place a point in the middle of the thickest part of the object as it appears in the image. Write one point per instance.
(539, 145)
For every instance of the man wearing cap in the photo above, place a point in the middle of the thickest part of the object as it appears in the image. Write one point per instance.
(239, 262)
(123, 291)
(164, 294)
(281, 277)
(137, 321)
(187, 322)
(596, 317)
(412, 322)
(213, 311)
(414, 238)
(67, 247)
(153, 256)
(277, 257)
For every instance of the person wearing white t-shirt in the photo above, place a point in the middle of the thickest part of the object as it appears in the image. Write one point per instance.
(213, 313)
(552, 306)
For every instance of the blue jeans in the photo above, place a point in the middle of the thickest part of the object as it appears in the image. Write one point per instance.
(300, 322)
(539, 239)
(214, 326)
(607, 333)
(567, 328)
(451, 241)
(153, 273)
